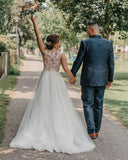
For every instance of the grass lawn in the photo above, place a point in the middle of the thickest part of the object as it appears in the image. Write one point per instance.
(6, 87)
(116, 97)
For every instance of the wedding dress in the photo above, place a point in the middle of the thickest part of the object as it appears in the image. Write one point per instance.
(50, 121)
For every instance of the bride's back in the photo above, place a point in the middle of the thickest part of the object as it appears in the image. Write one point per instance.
(52, 60)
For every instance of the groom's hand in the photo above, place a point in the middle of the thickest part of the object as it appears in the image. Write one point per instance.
(109, 84)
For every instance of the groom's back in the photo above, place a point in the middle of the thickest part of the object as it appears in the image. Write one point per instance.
(96, 61)
(97, 51)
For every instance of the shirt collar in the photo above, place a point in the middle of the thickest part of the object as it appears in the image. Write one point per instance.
(97, 36)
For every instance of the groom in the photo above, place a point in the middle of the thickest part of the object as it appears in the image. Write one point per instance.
(96, 54)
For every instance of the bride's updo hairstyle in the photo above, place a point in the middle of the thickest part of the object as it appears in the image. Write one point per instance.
(52, 39)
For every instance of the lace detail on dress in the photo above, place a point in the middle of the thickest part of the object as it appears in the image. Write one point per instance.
(51, 60)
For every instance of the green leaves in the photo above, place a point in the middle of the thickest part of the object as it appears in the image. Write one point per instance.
(111, 14)
(3, 47)
(4, 12)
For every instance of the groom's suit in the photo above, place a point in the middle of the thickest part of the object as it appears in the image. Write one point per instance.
(96, 54)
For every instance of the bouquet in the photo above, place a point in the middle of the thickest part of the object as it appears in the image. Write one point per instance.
(30, 7)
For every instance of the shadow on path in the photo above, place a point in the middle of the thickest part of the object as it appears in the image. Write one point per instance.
(112, 143)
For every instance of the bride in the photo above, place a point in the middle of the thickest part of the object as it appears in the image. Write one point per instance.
(50, 121)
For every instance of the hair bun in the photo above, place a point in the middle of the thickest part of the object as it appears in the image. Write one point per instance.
(52, 39)
(49, 45)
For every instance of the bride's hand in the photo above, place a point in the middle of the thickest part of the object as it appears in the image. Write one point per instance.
(33, 18)
(72, 81)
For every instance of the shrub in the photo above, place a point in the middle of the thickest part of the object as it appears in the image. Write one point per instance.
(3, 47)
(14, 69)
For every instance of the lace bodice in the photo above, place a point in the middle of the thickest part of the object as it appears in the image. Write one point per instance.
(51, 60)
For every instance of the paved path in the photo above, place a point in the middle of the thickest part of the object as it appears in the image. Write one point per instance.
(112, 143)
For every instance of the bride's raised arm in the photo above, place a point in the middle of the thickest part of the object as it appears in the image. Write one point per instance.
(39, 40)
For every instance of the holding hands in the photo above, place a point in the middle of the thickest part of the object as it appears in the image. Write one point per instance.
(72, 80)
(63, 57)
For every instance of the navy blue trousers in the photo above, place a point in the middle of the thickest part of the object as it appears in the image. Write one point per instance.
(92, 98)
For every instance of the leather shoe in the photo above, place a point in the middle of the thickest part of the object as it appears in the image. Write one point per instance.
(93, 135)
(96, 135)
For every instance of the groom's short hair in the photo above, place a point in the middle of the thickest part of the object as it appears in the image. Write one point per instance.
(94, 25)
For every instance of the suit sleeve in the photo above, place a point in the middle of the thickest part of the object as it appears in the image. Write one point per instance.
(111, 64)
(79, 59)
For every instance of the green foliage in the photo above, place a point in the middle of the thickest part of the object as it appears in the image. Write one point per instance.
(119, 38)
(25, 30)
(41, 0)
(111, 14)
(5, 7)
(30, 44)
(53, 21)
(50, 21)
(4, 100)
(22, 57)
(6, 85)
(3, 47)
(116, 100)
(14, 69)
(8, 25)
(9, 43)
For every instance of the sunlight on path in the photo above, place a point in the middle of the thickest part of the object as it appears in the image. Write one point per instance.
(112, 143)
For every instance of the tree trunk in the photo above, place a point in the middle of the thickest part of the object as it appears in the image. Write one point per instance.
(106, 33)
(69, 53)
(106, 29)
(68, 49)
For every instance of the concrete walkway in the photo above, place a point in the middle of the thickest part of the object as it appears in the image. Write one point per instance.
(112, 143)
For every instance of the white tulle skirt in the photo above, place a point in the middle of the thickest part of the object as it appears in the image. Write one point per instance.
(50, 121)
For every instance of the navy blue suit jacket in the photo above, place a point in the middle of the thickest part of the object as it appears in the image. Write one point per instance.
(96, 53)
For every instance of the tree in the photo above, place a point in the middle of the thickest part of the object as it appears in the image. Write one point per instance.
(5, 7)
(25, 30)
(51, 21)
(111, 14)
